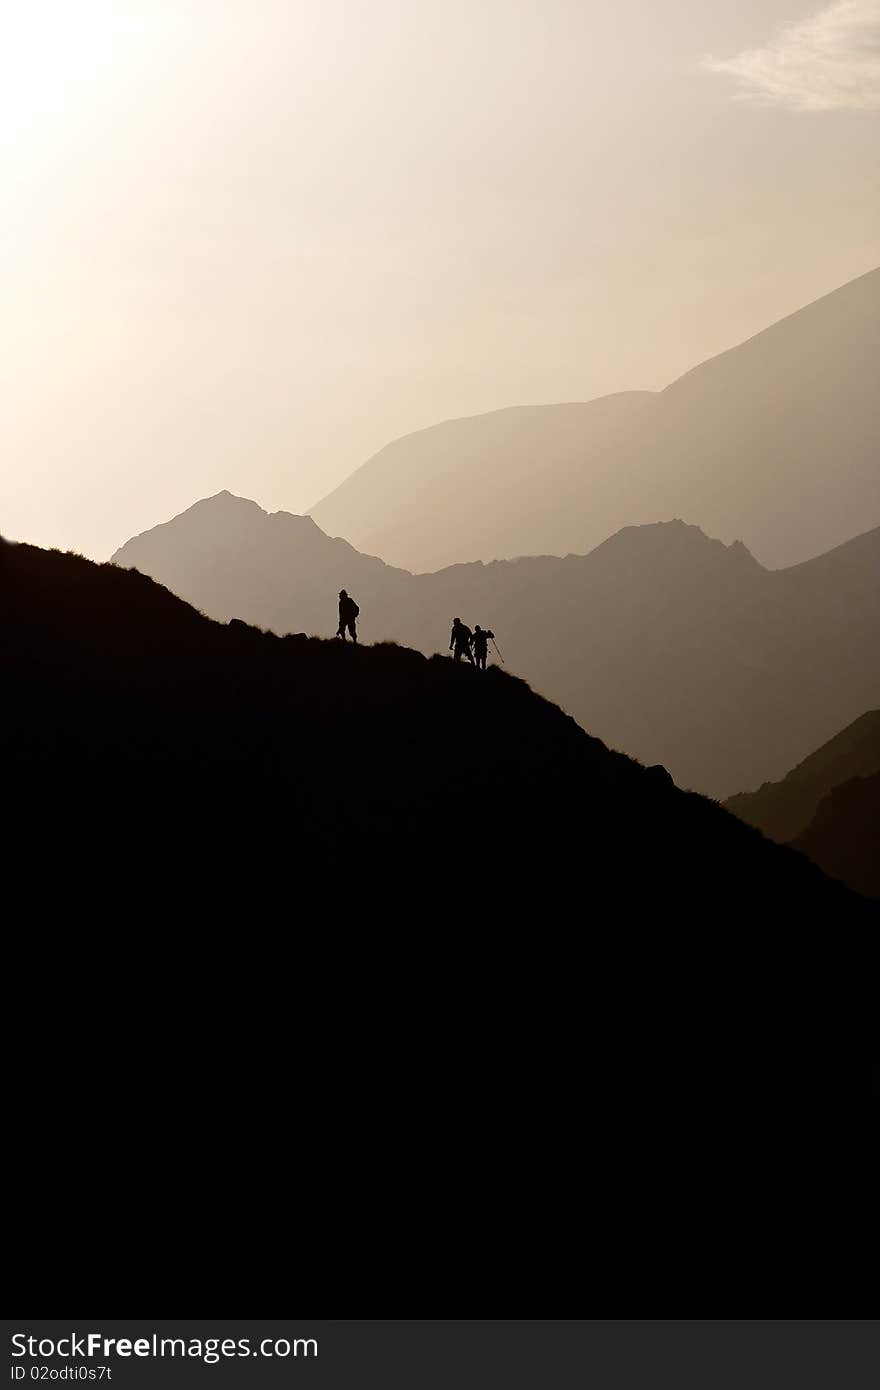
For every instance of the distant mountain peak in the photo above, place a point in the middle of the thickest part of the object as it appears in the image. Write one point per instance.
(223, 515)
(228, 503)
(677, 540)
(227, 499)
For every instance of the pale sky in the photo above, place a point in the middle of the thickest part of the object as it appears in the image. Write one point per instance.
(245, 244)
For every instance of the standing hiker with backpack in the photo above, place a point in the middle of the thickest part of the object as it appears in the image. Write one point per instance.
(348, 613)
(460, 641)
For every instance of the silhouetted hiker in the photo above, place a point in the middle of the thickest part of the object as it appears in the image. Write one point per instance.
(348, 612)
(460, 641)
(481, 645)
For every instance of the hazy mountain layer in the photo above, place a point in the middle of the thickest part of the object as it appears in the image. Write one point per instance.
(669, 645)
(785, 809)
(775, 442)
(843, 837)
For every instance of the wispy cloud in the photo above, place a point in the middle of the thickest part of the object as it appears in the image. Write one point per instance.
(826, 62)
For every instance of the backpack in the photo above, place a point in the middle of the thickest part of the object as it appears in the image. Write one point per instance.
(355, 611)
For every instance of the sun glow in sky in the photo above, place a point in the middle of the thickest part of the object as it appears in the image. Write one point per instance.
(244, 243)
(56, 56)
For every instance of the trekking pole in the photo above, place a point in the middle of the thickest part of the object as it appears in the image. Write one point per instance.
(500, 657)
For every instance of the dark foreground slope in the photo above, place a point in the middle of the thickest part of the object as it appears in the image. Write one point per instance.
(166, 759)
(411, 939)
(784, 809)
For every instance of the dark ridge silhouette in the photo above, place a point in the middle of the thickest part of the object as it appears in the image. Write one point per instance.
(188, 753)
(843, 837)
(775, 441)
(784, 809)
(428, 890)
(672, 646)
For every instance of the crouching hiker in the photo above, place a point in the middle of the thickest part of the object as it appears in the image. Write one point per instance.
(480, 642)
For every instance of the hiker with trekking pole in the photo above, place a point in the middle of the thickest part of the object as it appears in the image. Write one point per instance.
(480, 646)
